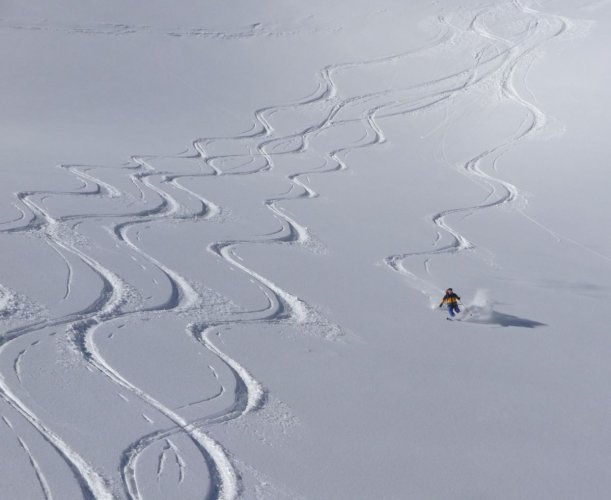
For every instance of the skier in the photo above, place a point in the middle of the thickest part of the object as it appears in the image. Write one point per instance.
(451, 299)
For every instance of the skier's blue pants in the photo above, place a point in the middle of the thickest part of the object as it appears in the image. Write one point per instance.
(453, 308)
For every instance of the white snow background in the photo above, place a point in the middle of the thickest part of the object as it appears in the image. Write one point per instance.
(226, 227)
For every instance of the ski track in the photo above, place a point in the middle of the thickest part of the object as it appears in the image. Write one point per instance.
(120, 29)
(42, 481)
(159, 192)
(542, 28)
(40, 477)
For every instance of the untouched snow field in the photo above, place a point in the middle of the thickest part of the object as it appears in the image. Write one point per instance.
(226, 228)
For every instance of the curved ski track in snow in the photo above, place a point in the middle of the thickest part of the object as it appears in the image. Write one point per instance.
(117, 299)
(541, 29)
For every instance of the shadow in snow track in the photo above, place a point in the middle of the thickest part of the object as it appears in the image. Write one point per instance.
(502, 319)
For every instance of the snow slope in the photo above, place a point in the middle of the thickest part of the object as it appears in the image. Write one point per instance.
(226, 228)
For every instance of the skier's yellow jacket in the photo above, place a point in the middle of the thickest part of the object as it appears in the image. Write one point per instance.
(450, 299)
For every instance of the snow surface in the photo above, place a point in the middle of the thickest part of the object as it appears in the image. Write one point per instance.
(226, 228)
